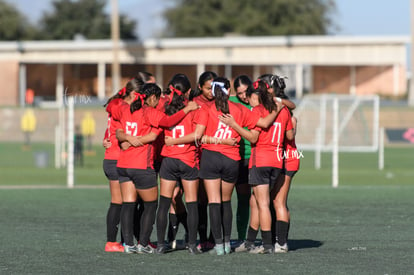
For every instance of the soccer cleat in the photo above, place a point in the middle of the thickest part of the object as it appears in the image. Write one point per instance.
(193, 249)
(268, 251)
(129, 249)
(145, 249)
(281, 248)
(217, 250)
(257, 250)
(161, 249)
(186, 239)
(173, 244)
(227, 248)
(114, 247)
(152, 245)
(205, 246)
(244, 247)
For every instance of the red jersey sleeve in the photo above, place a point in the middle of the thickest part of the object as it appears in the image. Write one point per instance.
(106, 134)
(289, 125)
(257, 112)
(118, 110)
(153, 116)
(170, 121)
(201, 117)
(250, 118)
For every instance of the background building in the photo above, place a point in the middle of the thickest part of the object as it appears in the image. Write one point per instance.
(313, 64)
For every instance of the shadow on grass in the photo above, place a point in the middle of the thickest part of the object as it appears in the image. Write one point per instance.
(303, 244)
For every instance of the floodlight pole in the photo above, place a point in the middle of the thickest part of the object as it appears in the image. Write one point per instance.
(411, 88)
(116, 68)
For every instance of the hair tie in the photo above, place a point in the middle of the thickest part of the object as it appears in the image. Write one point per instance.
(221, 85)
(122, 91)
(174, 91)
(140, 96)
(256, 84)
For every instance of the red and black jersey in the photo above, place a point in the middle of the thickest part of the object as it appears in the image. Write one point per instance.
(291, 156)
(114, 108)
(201, 100)
(140, 123)
(208, 116)
(184, 152)
(268, 150)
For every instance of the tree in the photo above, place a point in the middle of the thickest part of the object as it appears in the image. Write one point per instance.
(82, 17)
(13, 25)
(197, 18)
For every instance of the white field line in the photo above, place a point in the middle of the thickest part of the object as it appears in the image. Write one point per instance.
(53, 187)
(299, 187)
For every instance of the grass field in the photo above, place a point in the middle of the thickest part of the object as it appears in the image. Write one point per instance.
(363, 227)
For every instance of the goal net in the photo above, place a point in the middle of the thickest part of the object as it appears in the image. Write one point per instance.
(338, 123)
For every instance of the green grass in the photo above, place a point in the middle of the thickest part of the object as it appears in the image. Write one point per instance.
(349, 230)
(363, 227)
(17, 167)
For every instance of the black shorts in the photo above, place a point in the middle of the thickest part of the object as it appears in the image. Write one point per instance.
(263, 175)
(175, 169)
(288, 173)
(157, 165)
(142, 178)
(243, 177)
(215, 165)
(110, 169)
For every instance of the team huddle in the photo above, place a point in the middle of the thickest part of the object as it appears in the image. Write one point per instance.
(200, 145)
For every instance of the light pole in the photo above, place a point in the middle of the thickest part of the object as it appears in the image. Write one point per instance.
(411, 88)
(116, 68)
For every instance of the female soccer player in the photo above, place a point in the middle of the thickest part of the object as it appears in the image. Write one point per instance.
(242, 86)
(280, 192)
(135, 164)
(219, 162)
(203, 95)
(179, 164)
(266, 160)
(124, 97)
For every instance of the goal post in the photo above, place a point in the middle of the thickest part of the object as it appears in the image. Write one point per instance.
(71, 142)
(338, 123)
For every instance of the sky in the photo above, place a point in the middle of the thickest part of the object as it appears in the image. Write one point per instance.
(353, 17)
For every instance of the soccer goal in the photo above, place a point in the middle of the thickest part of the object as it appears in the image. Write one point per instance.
(338, 123)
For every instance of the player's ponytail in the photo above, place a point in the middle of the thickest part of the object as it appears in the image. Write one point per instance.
(266, 98)
(220, 88)
(177, 87)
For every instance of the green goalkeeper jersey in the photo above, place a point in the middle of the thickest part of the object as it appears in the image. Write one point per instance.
(245, 147)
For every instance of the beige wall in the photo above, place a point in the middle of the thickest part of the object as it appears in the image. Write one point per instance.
(368, 80)
(332, 79)
(9, 79)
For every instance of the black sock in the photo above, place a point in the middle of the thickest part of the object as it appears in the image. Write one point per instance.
(192, 221)
(172, 226)
(127, 222)
(182, 218)
(242, 215)
(147, 221)
(273, 229)
(267, 239)
(202, 222)
(139, 209)
(162, 219)
(281, 231)
(215, 222)
(227, 219)
(287, 233)
(113, 218)
(251, 235)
